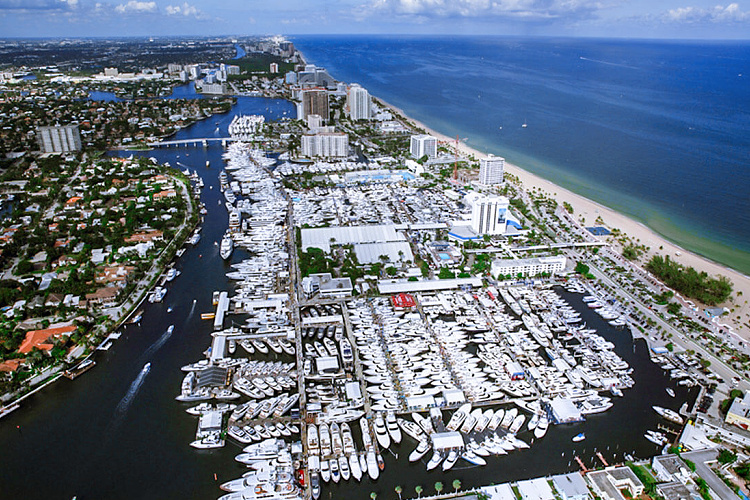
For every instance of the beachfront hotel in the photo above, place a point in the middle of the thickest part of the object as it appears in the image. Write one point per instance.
(423, 145)
(491, 170)
(488, 213)
(358, 103)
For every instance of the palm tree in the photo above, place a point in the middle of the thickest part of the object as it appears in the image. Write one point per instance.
(419, 491)
(456, 484)
(398, 490)
(438, 487)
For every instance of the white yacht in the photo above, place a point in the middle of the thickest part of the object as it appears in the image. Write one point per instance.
(227, 245)
(421, 450)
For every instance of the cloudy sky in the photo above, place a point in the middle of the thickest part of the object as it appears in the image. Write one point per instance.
(619, 18)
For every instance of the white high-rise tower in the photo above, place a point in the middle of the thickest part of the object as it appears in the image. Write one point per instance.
(491, 170)
(359, 103)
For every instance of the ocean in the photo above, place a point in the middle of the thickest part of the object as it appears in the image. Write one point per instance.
(657, 130)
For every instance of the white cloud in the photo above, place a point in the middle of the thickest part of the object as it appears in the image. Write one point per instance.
(718, 14)
(530, 10)
(185, 9)
(134, 6)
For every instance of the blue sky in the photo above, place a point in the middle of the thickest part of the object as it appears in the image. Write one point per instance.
(717, 19)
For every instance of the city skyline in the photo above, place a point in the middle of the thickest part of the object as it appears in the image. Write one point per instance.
(678, 19)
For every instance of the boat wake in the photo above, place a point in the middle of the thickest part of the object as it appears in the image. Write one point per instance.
(606, 62)
(127, 400)
(160, 342)
(192, 311)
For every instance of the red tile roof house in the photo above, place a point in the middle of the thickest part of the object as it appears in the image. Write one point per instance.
(106, 295)
(41, 338)
(11, 365)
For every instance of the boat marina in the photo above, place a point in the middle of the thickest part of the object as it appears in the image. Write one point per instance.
(339, 386)
(282, 382)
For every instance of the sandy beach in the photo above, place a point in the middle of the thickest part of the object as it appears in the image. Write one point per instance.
(739, 317)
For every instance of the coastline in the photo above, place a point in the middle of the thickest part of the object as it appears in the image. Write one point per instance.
(644, 235)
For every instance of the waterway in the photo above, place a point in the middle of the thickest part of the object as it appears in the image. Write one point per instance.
(117, 432)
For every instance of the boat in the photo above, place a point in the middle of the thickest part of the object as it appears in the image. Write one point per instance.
(411, 429)
(227, 245)
(264, 491)
(670, 391)
(313, 446)
(437, 457)
(346, 473)
(392, 426)
(517, 424)
(213, 440)
(381, 432)
(658, 438)
(579, 437)
(458, 417)
(372, 465)
(354, 466)
(315, 485)
(541, 427)
(335, 472)
(325, 471)
(471, 457)
(85, 366)
(670, 415)
(421, 450)
(451, 460)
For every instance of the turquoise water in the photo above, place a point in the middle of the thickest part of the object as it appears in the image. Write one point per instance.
(656, 130)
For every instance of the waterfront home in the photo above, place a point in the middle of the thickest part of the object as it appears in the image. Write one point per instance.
(40, 339)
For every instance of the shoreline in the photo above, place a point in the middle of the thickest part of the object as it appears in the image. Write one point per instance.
(736, 321)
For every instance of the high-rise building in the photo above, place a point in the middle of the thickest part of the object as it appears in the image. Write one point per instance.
(489, 214)
(111, 72)
(359, 103)
(314, 102)
(329, 145)
(214, 88)
(491, 170)
(422, 145)
(59, 139)
(273, 68)
(173, 68)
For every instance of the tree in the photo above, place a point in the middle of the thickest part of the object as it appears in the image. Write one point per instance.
(373, 495)
(726, 457)
(398, 491)
(439, 487)
(674, 307)
(419, 491)
(446, 274)
(582, 268)
(456, 485)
